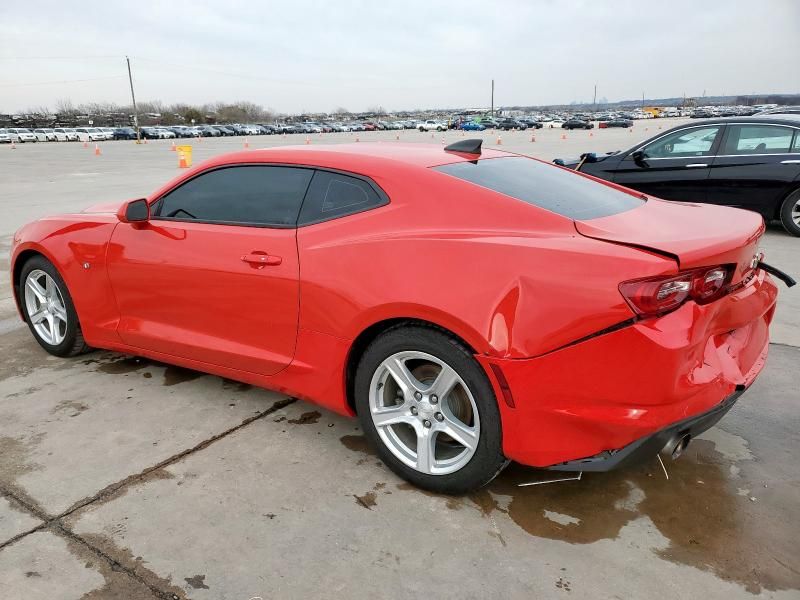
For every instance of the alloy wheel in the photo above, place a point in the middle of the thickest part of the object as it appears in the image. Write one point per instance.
(424, 413)
(796, 212)
(45, 307)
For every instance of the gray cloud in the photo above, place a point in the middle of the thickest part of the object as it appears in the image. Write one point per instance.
(306, 55)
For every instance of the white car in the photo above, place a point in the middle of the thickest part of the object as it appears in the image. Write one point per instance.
(4, 137)
(69, 133)
(44, 135)
(108, 132)
(90, 134)
(164, 134)
(21, 135)
(431, 125)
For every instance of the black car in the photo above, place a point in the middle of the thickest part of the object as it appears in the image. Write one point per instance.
(531, 124)
(619, 123)
(224, 130)
(125, 133)
(577, 124)
(508, 124)
(746, 162)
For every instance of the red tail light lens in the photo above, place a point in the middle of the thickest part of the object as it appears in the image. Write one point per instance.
(656, 296)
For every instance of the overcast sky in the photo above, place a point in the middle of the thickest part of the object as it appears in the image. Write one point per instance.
(299, 55)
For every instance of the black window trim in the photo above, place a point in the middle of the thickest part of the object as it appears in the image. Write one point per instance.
(156, 203)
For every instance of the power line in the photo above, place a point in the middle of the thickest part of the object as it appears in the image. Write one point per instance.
(60, 81)
(58, 57)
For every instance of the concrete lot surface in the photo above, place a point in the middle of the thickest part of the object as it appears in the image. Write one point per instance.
(122, 478)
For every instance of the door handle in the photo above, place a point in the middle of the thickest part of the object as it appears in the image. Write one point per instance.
(260, 259)
(790, 162)
(696, 165)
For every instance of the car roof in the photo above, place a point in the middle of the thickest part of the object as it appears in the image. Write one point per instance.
(346, 155)
(777, 119)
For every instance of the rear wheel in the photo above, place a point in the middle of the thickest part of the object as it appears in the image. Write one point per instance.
(428, 407)
(48, 309)
(790, 213)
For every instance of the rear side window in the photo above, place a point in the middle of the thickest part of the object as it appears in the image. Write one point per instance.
(332, 195)
(758, 139)
(245, 195)
(552, 188)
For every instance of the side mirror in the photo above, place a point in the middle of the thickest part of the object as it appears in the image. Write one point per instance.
(134, 211)
(639, 158)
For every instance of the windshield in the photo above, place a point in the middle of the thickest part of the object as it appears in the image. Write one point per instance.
(558, 190)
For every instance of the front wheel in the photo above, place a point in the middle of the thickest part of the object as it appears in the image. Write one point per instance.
(428, 407)
(790, 213)
(48, 309)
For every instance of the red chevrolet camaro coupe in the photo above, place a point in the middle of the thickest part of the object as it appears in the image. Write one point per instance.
(471, 307)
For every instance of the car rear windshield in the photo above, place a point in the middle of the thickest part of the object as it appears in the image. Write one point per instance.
(546, 186)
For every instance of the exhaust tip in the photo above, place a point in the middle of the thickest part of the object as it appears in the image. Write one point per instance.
(675, 447)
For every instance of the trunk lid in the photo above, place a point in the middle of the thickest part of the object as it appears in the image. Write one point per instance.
(694, 235)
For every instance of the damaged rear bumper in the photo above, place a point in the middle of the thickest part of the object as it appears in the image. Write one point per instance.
(647, 447)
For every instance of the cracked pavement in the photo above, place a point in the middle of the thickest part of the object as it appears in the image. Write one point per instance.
(123, 478)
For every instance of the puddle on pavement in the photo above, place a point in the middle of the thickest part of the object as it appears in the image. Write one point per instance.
(174, 375)
(307, 418)
(708, 523)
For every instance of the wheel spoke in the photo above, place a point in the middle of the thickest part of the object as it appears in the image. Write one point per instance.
(49, 286)
(445, 381)
(51, 324)
(391, 416)
(407, 382)
(426, 450)
(38, 290)
(38, 316)
(461, 433)
(60, 312)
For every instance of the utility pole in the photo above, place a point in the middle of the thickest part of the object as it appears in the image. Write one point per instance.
(642, 100)
(493, 98)
(133, 98)
(594, 100)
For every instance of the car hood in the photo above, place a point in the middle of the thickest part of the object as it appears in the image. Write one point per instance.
(105, 207)
(695, 235)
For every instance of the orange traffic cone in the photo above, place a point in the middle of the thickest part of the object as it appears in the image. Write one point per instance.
(97, 150)
(85, 143)
(182, 161)
(591, 134)
(173, 147)
(246, 143)
(499, 141)
(13, 145)
(533, 138)
(397, 136)
(308, 140)
(563, 136)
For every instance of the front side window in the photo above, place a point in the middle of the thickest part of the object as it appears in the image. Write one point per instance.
(696, 141)
(242, 195)
(758, 139)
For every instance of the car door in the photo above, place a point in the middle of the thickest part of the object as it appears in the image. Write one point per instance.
(755, 166)
(213, 275)
(674, 166)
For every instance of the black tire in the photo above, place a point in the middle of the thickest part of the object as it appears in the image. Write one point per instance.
(790, 203)
(73, 342)
(488, 460)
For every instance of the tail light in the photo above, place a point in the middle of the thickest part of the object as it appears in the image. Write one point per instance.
(656, 296)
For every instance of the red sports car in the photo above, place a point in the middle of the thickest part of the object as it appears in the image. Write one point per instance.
(471, 307)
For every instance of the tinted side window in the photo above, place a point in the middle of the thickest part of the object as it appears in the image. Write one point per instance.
(247, 195)
(796, 145)
(333, 195)
(696, 141)
(757, 139)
